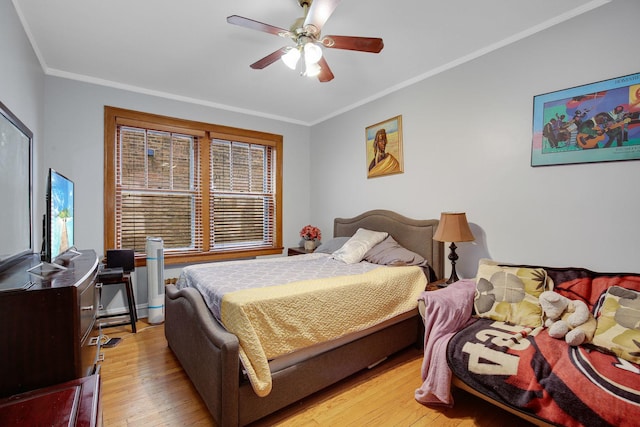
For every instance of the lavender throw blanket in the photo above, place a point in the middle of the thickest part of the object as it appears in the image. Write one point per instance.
(446, 312)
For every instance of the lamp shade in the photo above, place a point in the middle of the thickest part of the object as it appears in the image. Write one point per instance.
(312, 53)
(312, 70)
(453, 227)
(291, 58)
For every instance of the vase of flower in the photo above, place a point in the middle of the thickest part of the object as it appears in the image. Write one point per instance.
(310, 234)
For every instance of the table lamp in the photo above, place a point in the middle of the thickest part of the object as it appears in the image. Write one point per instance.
(453, 227)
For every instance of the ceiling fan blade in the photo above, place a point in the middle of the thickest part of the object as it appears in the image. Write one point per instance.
(325, 72)
(269, 59)
(319, 12)
(255, 25)
(361, 44)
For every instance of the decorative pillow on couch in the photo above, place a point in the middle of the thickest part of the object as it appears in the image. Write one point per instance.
(587, 285)
(618, 323)
(510, 294)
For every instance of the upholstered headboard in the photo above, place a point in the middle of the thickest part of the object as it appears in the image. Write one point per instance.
(415, 235)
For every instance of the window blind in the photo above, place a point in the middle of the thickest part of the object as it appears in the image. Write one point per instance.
(210, 192)
(157, 189)
(242, 199)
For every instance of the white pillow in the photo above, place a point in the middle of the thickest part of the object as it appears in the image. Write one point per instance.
(354, 249)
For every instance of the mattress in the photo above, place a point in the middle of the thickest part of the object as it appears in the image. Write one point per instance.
(214, 280)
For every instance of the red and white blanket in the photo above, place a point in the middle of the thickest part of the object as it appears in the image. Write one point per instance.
(543, 376)
(569, 386)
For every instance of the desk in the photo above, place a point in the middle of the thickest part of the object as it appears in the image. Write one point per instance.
(125, 280)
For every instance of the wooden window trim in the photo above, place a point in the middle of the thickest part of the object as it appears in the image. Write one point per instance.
(113, 117)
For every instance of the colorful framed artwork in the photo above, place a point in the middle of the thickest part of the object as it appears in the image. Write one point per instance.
(597, 122)
(384, 148)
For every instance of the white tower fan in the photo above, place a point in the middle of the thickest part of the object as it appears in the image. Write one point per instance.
(155, 279)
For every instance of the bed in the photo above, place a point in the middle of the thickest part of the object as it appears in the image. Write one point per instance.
(210, 354)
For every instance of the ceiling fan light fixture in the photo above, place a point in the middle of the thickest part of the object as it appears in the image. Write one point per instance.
(312, 70)
(291, 58)
(312, 53)
(306, 34)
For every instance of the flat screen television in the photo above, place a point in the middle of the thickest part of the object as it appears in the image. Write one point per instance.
(59, 217)
(58, 235)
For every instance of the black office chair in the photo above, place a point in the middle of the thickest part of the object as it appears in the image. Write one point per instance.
(120, 264)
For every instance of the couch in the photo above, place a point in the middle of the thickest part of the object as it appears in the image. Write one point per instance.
(501, 350)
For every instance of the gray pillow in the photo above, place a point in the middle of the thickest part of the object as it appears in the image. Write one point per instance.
(390, 252)
(331, 245)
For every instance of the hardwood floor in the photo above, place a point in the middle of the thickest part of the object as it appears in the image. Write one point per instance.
(144, 385)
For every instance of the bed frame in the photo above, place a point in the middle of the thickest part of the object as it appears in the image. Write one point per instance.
(457, 382)
(210, 355)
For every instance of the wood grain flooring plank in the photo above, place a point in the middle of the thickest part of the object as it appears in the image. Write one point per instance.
(143, 384)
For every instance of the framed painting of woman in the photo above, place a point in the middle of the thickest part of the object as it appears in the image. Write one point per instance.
(384, 148)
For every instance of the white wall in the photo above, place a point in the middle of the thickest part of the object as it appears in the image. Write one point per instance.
(22, 91)
(67, 119)
(467, 141)
(74, 126)
(467, 137)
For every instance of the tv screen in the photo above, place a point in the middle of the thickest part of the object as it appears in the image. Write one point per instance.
(59, 218)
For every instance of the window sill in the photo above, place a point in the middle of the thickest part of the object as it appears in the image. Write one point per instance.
(188, 258)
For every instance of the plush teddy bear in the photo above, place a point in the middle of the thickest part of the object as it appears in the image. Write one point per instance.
(568, 319)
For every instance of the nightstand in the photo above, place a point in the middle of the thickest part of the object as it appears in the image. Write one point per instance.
(298, 251)
(438, 284)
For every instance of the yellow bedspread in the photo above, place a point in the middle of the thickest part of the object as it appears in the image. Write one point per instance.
(277, 320)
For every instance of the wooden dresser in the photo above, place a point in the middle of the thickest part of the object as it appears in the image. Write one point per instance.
(48, 329)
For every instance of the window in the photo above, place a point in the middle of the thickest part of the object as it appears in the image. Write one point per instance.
(209, 191)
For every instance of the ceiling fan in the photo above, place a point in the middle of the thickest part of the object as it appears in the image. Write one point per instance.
(305, 33)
